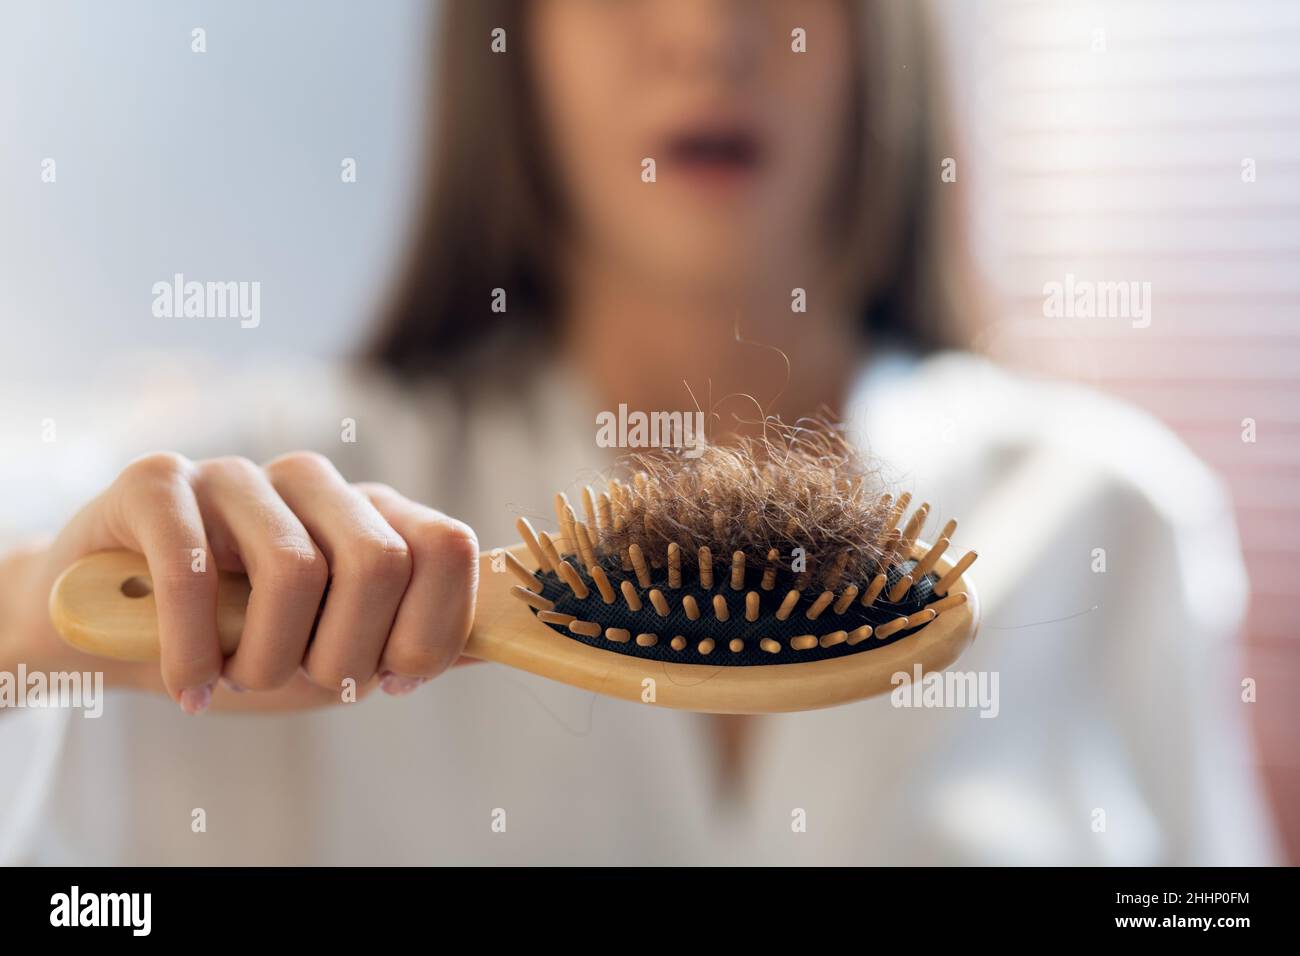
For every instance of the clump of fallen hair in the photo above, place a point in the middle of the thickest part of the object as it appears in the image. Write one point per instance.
(802, 491)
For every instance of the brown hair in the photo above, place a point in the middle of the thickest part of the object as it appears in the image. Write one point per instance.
(488, 205)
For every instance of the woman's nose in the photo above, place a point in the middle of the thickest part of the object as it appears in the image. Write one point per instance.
(703, 41)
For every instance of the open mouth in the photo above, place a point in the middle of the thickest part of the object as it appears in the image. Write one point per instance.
(715, 152)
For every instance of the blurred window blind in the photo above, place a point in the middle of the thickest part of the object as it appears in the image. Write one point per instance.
(1158, 141)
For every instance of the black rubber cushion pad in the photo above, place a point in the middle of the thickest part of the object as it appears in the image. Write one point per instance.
(648, 621)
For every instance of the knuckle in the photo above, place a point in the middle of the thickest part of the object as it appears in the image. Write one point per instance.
(299, 464)
(228, 466)
(450, 544)
(296, 567)
(376, 489)
(161, 467)
(383, 559)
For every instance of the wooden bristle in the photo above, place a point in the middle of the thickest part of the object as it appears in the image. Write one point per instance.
(561, 506)
(706, 568)
(573, 580)
(804, 642)
(678, 643)
(737, 570)
(660, 602)
(891, 627)
(550, 550)
(606, 512)
(589, 506)
(946, 604)
(601, 579)
(873, 589)
(533, 599)
(846, 599)
(736, 645)
(769, 645)
(526, 577)
(929, 559)
(647, 640)
(822, 603)
(888, 549)
(923, 616)
(719, 526)
(900, 588)
(706, 646)
(639, 565)
(720, 609)
(896, 514)
(833, 638)
(630, 596)
(751, 606)
(691, 607)
(674, 565)
(769, 573)
(585, 628)
(912, 530)
(618, 635)
(564, 516)
(859, 635)
(956, 571)
(529, 537)
(586, 548)
(791, 599)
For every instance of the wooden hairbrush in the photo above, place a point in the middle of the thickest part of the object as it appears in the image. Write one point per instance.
(688, 587)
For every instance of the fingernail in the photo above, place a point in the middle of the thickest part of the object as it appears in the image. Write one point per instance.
(195, 700)
(230, 685)
(395, 685)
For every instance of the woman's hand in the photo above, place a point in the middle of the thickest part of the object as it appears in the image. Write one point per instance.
(402, 580)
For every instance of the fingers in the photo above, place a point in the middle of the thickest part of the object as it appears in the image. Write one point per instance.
(245, 515)
(434, 618)
(369, 562)
(154, 509)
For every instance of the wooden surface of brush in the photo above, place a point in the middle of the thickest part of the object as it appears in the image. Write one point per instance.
(687, 625)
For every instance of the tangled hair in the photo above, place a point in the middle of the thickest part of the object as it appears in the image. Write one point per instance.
(800, 486)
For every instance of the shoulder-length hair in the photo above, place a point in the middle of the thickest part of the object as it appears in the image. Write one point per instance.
(489, 212)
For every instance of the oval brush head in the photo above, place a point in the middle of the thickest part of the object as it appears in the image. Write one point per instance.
(750, 557)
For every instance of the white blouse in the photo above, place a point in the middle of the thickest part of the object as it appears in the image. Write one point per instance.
(1120, 731)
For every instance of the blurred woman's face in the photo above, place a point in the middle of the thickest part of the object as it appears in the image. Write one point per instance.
(747, 136)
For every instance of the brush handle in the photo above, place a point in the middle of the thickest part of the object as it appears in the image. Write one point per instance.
(104, 605)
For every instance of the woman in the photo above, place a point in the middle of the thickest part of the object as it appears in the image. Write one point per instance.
(635, 203)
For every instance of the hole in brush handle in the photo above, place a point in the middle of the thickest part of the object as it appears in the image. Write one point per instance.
(137, 586)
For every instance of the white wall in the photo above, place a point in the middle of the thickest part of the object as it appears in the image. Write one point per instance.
(223, 166)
